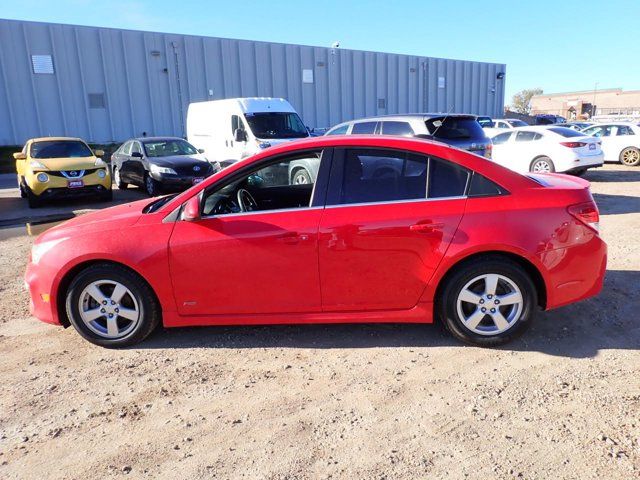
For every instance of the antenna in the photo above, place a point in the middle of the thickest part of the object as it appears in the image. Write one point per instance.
(443, 120)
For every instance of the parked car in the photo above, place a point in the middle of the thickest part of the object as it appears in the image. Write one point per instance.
(485, 122)
(233, 129)
(620, 141)
(413, 246)
(60, 167)
(579, 126)
(547, 149)
(160, 164)
(502, 124)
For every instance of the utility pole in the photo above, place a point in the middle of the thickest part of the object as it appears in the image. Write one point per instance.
(593, 104)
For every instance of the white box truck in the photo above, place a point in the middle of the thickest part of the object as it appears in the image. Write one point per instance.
(232, 129)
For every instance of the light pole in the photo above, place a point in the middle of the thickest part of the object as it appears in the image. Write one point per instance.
(593, 104)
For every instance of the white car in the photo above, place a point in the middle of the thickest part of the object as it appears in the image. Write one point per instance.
(501, 125)
(620, 141)
(547, 149)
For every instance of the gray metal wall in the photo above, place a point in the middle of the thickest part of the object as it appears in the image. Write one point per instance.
(109, 85)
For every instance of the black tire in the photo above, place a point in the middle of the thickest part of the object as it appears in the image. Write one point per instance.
(23, 192)
(540, 161)
(150, 313)
(447, 307)
(301, 177)
(630, 157)
(151, 186)
(118, 180)
(33, 200)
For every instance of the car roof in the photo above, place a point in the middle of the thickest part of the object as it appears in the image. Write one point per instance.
(50, 139)
(155, 139)
(626, 124)
(508, 179)
(406, 116)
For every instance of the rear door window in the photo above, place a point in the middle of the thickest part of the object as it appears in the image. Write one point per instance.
(500, 139)
(364, 128)
(624, 130)
(446, 179)
(527, 136)
(397, 128)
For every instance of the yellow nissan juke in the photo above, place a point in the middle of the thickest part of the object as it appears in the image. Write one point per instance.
(61, 167)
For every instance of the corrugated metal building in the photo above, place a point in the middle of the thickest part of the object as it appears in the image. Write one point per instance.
(107, 85)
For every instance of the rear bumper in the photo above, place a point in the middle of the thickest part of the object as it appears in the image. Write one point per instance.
(582, 163)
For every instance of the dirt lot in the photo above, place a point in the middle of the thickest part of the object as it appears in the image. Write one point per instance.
(389, 401)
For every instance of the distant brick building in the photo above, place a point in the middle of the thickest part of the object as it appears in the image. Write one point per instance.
(588, 103)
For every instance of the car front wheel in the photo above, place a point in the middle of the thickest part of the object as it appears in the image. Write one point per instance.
(151, 186)
(488, 302)
(112, 306)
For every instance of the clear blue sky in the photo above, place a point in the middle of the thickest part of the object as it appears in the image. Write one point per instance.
(558, 45)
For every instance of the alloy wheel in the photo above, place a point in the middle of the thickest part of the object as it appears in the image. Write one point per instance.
(490, 304)
(631, 157)
(541, 166)
(108, 309)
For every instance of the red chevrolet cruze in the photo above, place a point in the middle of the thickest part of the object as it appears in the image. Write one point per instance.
(376, 230)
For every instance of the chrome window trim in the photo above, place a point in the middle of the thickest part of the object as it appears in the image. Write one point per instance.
(257, 212)
(392, 202)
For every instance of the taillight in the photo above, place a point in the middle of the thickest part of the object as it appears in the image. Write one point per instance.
(487, 150)
(573, 144)
(587, 213)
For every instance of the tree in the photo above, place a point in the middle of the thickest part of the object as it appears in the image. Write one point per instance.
(521, 101)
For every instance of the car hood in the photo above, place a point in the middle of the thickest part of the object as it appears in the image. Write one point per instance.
(177, 160)
(113, 218)
(71, 163)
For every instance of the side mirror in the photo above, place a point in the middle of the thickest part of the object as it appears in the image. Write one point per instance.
(99, 153)
(240, 135)
(136, 154)
(191, 209)
(201, 150)
(19, 156)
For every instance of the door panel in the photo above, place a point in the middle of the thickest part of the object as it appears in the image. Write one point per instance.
(381, 256)
(247, 263)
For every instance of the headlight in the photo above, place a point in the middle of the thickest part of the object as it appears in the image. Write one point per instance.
(99, 162)
(37, 164)
(43, 177)
(157, 169)
(39, 249)
(102, 173)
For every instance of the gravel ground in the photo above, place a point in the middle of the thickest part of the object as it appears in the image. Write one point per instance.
(367, 401)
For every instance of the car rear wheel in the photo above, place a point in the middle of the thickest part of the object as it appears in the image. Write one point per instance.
(301, 177)
(118, 179)
(488, 302)
(112, 306)
(630, 157)
(542, 165)
(151, 186)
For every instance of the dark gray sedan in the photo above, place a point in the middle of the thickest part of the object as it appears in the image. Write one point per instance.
(160, 164)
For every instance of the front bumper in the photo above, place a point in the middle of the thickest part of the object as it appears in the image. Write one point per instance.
(58, 186)
(177, 182)
(38, 282)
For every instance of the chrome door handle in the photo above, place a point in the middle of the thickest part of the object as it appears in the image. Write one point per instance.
(426, 227)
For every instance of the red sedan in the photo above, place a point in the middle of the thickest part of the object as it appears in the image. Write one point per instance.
(384, 229)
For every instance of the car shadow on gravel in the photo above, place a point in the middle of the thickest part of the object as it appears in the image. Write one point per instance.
(576, 331)
(613, 175)
(616, 204)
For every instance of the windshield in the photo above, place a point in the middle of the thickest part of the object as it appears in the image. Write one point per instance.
(276, 125)
(168, 148)
(60, 149)
(455, 128)
(517, 123)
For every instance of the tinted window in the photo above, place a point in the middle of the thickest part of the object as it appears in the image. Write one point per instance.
(455, 128)
(379, 176)
(485, 122)
(527, 136)
(625, 130)
(60, 149)
(517, 123)
(482, 186)
(397, 128)
(446, 179)
(339, 130)
(566, 132)
(363, 128)
(499, 139)
(599, 131)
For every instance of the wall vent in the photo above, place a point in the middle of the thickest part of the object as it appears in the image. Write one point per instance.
(42, 64)
(96, 100)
